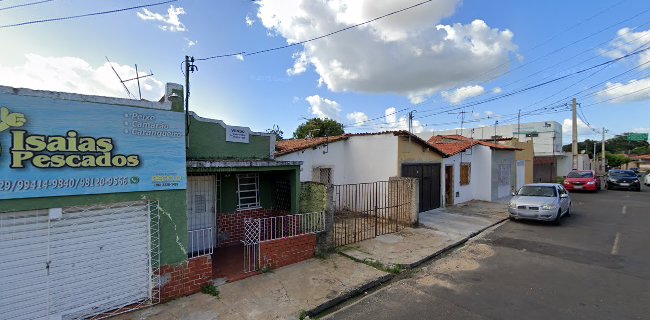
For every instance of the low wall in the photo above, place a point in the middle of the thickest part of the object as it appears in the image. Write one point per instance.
(231, 225)
(286, 251)
(186, 278)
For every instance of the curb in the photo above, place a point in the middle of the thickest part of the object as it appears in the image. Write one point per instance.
(358, 291)
(451, 246)
(349, 295)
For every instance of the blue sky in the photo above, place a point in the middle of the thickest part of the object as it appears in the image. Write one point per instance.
(442, 55)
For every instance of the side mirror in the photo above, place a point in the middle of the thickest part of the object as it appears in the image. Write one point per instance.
(513, 193)
(564, 195)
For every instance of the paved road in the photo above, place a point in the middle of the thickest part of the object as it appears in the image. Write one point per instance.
(595, 266)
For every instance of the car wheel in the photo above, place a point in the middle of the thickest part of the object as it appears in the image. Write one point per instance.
(568, 211)
(512, 218)
(558, 219)
(638, 189)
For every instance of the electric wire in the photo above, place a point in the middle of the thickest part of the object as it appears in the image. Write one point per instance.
(25, 4)
(84, 15)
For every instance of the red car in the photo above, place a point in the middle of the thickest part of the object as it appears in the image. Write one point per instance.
(582, 180)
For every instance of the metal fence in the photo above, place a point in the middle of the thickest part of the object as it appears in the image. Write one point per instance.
(366, 210)
(274, 228)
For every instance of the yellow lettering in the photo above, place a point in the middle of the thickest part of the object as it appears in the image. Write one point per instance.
(72, 141)
(88, 161)
(35, 143)
(133, 160)
(57, 161)
(18, 140)
(119, 161)
(56, 144)
(18, 157)
(87, 144)
(104, 145)
(41, 161)
(104, 160)
(70, 161)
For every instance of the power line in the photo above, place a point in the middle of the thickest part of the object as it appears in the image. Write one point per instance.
(84, 15)
(24, 5)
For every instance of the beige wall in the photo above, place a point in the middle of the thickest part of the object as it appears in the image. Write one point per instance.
(414, 152)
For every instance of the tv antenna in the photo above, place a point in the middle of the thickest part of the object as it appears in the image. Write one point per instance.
(136, 78)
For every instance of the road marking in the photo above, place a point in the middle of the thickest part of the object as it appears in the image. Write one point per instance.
(624, 210)
(615, 246)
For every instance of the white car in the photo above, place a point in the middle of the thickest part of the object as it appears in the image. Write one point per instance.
(646, 179)
(540, 201)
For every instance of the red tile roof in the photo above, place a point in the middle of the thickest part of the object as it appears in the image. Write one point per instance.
(293, 145)
(640, 157)
(454, 144)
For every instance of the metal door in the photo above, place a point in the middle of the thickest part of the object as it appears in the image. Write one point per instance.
(449, 185)
(521, 173)
(428, 176)
(74, 263)
(201, 213)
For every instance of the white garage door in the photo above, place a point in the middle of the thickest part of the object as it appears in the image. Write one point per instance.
(88, 261)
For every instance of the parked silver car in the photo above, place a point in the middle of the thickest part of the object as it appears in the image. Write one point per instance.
(540, 201)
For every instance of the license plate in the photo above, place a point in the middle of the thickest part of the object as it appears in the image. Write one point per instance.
(577, 187)
(625, 184)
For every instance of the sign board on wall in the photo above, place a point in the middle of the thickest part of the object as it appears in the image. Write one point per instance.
(53, 147)
(237, 134)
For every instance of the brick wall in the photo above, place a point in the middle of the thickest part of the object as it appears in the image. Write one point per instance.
(231, 225)
(186, 278)
(285, 251)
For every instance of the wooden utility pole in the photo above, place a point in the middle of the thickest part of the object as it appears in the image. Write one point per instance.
(574, 145)
(602, 154)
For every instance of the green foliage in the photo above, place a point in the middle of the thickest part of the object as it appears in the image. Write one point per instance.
(278, 133)
(641, 150)
(616, 160)
(303, 315)
(317, 127)
(617, 144)
(211, 290)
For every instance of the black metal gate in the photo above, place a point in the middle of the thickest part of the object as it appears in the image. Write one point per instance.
(366, 210)
(429, 176)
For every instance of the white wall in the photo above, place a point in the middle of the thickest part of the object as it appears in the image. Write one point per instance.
(565, 163)
(465, 193)
(482, 173)
(356, 160)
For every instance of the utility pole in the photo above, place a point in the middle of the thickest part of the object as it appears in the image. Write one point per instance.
(189, 67)
(602, 153)
(574, 146)
(518, 125)
(495, 131)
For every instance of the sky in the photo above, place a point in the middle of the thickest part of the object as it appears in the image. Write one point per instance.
(451, 63)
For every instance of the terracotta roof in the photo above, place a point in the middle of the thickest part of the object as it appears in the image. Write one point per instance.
(640, 157)
(293, 145)
(454, 144)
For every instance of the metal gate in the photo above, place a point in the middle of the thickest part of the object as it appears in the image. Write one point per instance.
(428, 175)
(78, 262)
(366, 210)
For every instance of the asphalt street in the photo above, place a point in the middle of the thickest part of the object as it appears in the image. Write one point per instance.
(596, 265)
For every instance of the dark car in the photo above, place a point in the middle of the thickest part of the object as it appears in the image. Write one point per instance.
(623, 179)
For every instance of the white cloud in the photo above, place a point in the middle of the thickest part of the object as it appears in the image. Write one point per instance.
(406, 54)
(249, 21)
(463, 93)
(299, 64)
(171, 22)
(323, 108)
(497, 90)
(641, 130)
(72, 74)
(567, 128)
(489, 114)
(633, 90)
(358, 118)
(393, 122)
(239, 57)
(628, 41)
(191, 43)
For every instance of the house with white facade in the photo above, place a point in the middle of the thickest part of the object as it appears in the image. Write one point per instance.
(475, 169)
(368, 157)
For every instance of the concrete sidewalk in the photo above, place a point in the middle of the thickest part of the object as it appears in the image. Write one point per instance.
(314, 285)
(440, 229)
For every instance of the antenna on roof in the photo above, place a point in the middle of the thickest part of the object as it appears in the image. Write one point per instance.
(137, 78)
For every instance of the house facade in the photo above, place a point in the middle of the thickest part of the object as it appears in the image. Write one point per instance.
(92, 203)
(475, 169)
(368, 157)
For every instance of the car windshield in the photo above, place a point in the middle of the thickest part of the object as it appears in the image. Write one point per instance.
(537, 191)
(622, 174)
(580, 174)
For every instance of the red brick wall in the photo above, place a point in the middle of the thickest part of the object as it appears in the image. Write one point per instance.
(231, 225)
(186, 278)
(285, 251)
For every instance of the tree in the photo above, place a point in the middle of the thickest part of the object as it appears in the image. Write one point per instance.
(616, 160)
(317, 127)
(278, 133)
(617, 144)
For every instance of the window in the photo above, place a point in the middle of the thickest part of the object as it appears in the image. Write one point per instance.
(465, 173)
(322, 175)
(248, 191)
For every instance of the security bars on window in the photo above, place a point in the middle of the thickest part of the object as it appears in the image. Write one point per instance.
(248, 191)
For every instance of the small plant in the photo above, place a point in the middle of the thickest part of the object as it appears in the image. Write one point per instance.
(211, 290)
(395, 269)
(303, 315)
(266, 268)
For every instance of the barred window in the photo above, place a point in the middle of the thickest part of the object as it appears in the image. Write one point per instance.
(248, 191)
(465, 173)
